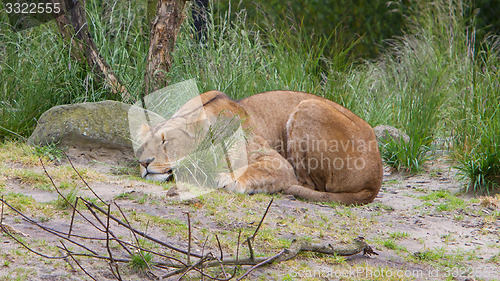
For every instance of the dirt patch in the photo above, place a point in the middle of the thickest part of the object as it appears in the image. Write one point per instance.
(422, 226)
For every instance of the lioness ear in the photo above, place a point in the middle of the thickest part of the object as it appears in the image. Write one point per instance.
(145, 128)
(143, 132)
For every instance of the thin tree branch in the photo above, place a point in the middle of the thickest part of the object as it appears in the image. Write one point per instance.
(142, 233)
(266, 261)
(76, 261)
(189, 239)
(83, 180)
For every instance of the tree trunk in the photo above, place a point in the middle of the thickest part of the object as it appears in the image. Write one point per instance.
(74, 28)
(163, 33)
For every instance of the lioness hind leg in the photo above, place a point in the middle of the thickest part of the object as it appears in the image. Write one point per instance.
(334, 154)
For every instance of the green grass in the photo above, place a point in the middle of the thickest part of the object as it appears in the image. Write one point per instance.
(141, 261)
(444, 201)
(393, 245)
(241, 60)
(476, 119)
(399, 235)
(430, 255)
(68, 200)
(51, 151)
(36, 75)
(38, 72)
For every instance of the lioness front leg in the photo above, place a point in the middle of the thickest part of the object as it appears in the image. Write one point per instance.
(271, 174)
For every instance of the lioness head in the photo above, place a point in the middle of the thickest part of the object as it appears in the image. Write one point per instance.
(203, 127)
(164, 146)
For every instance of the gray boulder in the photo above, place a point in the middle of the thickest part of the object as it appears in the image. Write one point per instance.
(385, 132)
(99, 124)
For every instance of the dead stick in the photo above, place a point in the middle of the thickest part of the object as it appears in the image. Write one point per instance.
(50, 230)
(67, 260)
(108, 231)
(262, 219)
(129, 226)
(72, 218)
(112, 263)
(202, 252)
(84, 181)
(220, 247)
(184, 270)
(1, 215)
(359, 246)
(181, 264)
(77, 263)
(142, 233)
(191, 267)
(122, 260)
(237, 254)
(251, 238)
(250, 249)
(221, 264)
(60, 194)
(27, 247)
(266, 261)
(189, 238)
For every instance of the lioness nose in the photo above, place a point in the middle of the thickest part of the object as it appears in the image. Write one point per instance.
(146, 162)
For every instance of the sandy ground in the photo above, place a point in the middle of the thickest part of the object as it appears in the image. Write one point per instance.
(464, 237)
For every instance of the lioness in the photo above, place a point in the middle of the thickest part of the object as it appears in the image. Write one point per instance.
(298, 144)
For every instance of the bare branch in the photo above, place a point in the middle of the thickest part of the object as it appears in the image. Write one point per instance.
(76, 261)
(262, 220)
(112, 264)
(72, 218)
(1, 213)
(142, 233)
(27, 247)
(173, 266)
(266, 261)
(189, 238)
(251, 238)
(74, 28)
(83, 180)
(64, 197)
(50, 230)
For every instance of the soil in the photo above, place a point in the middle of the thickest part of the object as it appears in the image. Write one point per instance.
(469, 234)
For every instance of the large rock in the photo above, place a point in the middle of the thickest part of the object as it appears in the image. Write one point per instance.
(100, 124)
(385, 132)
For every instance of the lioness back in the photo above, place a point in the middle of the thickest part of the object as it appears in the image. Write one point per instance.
(270, 112)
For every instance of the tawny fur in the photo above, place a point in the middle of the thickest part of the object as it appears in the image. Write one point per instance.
(296, 145)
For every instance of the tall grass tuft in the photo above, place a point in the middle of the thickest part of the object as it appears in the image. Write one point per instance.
(476, 120)
(36, 73)
(121, 33)
(408, 87)
(141, 261)
(241, 60)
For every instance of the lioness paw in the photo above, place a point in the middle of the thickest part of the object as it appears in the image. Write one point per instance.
(227, 182)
